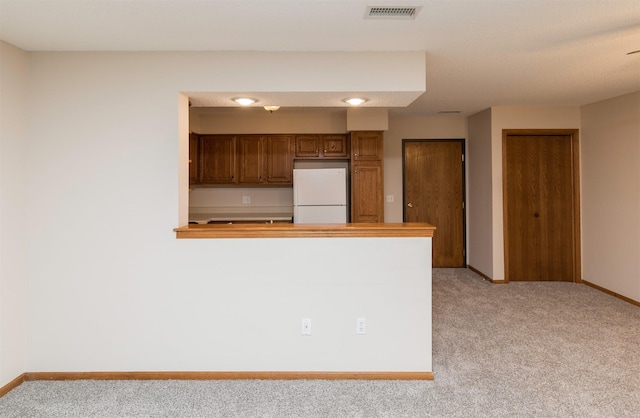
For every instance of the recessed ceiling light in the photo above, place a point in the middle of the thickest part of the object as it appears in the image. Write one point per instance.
(449, 112)
(271, 109)
(244, 101)
(355, 101)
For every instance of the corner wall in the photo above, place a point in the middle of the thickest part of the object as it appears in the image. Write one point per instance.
(479, 188)
(610, 163)
(14, 70)
(110, 288)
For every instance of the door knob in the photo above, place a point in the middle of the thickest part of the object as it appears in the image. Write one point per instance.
(409, 205)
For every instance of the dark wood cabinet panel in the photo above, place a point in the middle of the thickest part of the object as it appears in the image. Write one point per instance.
(367, 199)
(307, 146)
(250, 156)
(193, 158)
(367, 181)
(366, 146)
(277, 159)
(217, 159)
(334, 146)
(331, 146)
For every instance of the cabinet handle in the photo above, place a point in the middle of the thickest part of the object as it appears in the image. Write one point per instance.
(355, 171)
(409, 205)
(355, 155)
(189, 161)
(325, 151)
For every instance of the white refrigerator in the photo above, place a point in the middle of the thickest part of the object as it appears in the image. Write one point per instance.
(319, 195)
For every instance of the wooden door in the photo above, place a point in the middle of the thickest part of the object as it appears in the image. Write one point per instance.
(539, 206)
(434, 193)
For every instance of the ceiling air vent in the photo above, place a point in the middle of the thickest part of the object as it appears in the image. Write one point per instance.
(392, 12)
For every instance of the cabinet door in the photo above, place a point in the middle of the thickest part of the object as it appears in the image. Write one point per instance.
(307, 146)
(193, 159)
(366, 146)
(279, 161)
(366, 194)
(250, 154)
(334, 146)
(217, 162)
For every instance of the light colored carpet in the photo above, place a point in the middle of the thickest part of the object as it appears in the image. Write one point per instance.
(517, 350)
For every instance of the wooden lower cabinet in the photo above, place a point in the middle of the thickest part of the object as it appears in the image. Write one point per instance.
(366, 194)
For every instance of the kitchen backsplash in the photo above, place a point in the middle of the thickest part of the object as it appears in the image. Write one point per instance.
(241, 199)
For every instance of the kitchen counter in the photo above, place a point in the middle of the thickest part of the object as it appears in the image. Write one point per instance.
(288, 230)
(266, 217)
(382, 271)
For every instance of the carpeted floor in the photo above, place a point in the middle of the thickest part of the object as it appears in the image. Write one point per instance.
(517, 350)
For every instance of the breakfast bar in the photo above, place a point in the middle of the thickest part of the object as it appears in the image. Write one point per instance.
(289, 230)
(314, 286)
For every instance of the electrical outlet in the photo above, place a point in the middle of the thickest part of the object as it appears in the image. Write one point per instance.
(361, 326)
(389, 198)
(306, 326)
(246, 200)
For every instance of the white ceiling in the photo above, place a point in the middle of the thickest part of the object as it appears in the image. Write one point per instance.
(480, 53)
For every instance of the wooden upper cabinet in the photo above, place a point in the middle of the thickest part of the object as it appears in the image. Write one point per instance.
(278, 159)
(307, 146)
(334, 146)
(250, 154)
(366, 146)
(193, 158)
(217, 160)
(265, 159)
(321, 146)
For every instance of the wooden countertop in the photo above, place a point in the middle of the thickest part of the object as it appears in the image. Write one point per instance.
(287, 230)
(203, 218)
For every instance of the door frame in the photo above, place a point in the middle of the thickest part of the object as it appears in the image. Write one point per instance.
(462, 142)
(575, 186)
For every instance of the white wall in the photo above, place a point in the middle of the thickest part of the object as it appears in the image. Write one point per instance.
(110, 288)
(479, 187)
(259, 121)
(610, 140)
(14, 71)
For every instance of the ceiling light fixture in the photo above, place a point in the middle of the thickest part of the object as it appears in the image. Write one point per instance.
(244, 101)
(271, 109)
(355, 101)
